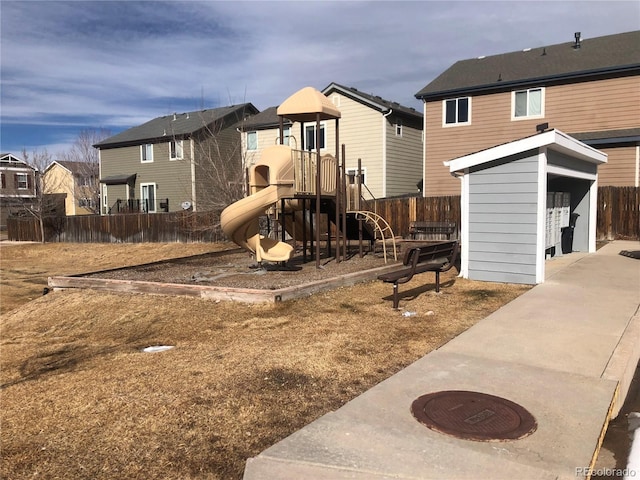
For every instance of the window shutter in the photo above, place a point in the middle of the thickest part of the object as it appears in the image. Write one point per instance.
(3, 180)
(15, 181)
(29, 182)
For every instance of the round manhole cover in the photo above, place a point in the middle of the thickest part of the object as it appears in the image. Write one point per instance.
(473, 416)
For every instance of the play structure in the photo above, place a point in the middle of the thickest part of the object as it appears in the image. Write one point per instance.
(309, 195)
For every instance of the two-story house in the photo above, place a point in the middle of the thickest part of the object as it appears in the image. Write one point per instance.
(588, 88)
(77, 182)
(384, 135)
(181, 161)
(17, 185)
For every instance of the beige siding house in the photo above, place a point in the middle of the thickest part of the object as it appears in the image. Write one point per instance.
(587, 88)
(174, 162)
(77, 182)
(384, 135)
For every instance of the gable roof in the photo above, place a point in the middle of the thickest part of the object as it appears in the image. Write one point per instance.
(612, 54)
(75, 167)
(11, 159)
(267, 118)
(372, 101)
(178, 125)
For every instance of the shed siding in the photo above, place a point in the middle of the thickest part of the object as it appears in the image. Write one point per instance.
(579, 107)
(503, 220)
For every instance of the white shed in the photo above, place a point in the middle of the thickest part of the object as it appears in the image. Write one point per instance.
(508, 228)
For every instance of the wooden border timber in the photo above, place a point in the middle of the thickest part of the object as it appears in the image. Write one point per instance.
(246, 295)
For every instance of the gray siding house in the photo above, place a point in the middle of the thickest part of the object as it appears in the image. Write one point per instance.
(510, 219)
(181, 161)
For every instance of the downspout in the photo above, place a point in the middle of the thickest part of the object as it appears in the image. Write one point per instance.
(384, 152)
(193, 175)
(424, 147)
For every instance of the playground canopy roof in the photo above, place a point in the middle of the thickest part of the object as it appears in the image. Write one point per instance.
(306, 104)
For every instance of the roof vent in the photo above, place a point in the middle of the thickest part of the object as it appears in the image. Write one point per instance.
(544, 51)
(175, 117)
(578, 39)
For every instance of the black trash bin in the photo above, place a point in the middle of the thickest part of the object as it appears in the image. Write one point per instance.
(567, 234)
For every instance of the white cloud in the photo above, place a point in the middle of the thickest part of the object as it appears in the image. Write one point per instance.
(118, 64)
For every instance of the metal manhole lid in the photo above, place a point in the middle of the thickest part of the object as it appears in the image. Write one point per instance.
(473, 415)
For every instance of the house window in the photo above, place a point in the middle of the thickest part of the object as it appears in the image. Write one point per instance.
(105, 202)
(22, 181)
(148, 196)
(85, 181)
(176, 150)
(310, 136)
(146, 153)
(457, 111)
(252, 140)
(286, 135)
(335, 99)
(528, 103)
(352, 173)
(85, 203)
(398, 127)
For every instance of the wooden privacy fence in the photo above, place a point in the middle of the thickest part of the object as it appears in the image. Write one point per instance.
(618, 218)
(129, 228)
(400, 212)
(618, 213)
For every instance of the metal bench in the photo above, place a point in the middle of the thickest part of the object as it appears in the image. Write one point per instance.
(436, 257)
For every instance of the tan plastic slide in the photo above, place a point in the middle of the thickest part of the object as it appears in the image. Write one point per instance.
(270, 180)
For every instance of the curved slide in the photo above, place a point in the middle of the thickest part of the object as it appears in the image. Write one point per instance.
(239, 222)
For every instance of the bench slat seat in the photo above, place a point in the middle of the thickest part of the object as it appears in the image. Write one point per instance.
(437, 257)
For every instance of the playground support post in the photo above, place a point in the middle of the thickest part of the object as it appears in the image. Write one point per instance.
(318, 186)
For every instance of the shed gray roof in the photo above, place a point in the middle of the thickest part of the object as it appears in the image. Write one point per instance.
(373, 101)
(179, 125)
(611, 54)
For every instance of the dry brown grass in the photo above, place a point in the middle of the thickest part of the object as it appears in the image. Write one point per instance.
(80, 400)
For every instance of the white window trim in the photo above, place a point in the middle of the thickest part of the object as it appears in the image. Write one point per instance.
(142, 149)
(177, 142)
(456, 124)
(155, 196)
(105, 200)
(323, 128)
(255, 132)
(398, 125)
(355, 172)
(527, 117)
(26, 180)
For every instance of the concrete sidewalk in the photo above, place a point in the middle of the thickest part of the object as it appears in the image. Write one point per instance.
(566, 351)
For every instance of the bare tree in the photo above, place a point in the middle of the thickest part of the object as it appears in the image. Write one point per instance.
(42, 205)
(219, 169)
(87, 167)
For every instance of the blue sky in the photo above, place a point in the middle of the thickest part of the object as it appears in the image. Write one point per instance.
(69, 66)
